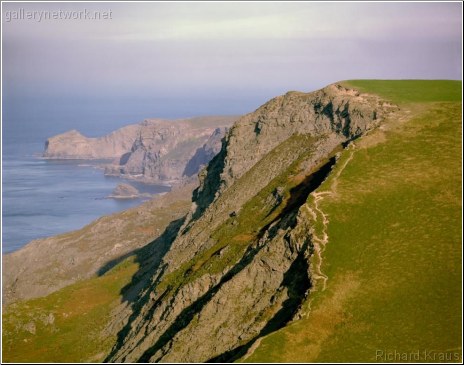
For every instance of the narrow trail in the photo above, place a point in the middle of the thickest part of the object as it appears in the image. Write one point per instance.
(321, 241)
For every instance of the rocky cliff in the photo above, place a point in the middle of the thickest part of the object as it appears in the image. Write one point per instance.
(154, 150)
(167, 150)
(239, 266)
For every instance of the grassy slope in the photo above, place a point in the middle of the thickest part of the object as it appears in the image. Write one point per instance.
(393, 257)
(80, 313)
(81, 310)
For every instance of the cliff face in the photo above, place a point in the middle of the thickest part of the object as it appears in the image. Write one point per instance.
(167, 151)
(239, 267)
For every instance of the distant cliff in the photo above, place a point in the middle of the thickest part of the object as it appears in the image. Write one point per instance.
(73, 145)
(154, 150)
(205, 153)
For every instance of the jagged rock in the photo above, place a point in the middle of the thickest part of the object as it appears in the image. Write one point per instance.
(335, 111)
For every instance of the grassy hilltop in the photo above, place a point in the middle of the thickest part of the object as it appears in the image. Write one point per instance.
(393, 256)
(386, 267)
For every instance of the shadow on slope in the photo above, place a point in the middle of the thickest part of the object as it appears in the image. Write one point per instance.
(211, 183)
(137, 292)
(296, 279)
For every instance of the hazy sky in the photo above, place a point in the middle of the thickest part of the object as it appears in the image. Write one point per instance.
(210, 58)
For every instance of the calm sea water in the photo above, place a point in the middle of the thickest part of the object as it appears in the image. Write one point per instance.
(40, 197)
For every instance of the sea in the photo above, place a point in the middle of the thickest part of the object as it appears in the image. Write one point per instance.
(42, 198)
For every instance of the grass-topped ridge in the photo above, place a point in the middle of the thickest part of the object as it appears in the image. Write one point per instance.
(393, 256)
(410, 91)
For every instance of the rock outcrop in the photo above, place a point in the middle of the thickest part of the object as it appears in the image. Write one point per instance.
(267, 260)
(333, 111)
(125, 191)
(239, 267)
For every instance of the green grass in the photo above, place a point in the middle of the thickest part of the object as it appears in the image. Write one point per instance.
(394, 253)
(410, 91)
(80, 311)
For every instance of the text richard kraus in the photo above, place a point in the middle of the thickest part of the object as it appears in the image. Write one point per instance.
(418, 355)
